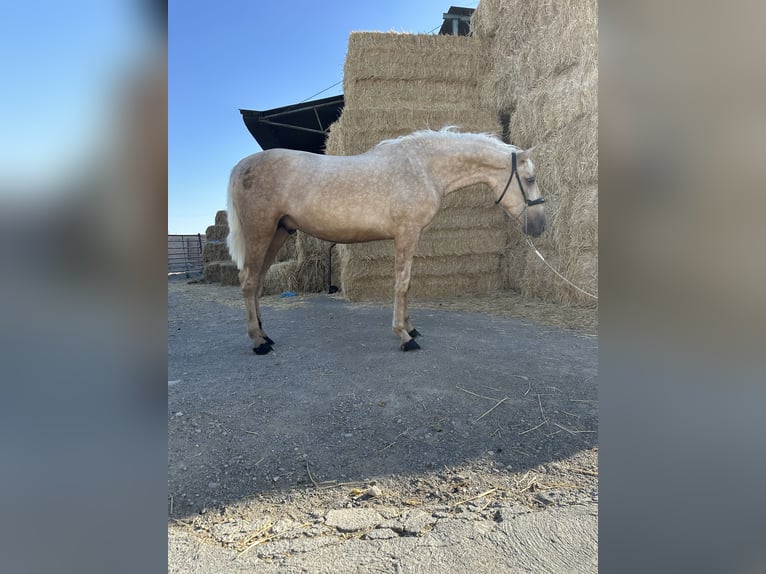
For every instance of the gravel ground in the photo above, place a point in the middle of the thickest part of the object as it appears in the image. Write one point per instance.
(339, 453)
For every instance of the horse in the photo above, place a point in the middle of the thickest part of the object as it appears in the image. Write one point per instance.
(392, 191)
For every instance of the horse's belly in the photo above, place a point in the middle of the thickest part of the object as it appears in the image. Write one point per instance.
(337, 232)
(345, 235)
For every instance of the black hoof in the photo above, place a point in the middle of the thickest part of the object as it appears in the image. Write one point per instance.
(415, 333)
(262, 349)
(269, 341)
(410, 345)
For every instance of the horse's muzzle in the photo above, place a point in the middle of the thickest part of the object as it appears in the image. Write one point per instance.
(534, 223)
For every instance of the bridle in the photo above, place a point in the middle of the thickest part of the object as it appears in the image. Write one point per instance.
(529, 202)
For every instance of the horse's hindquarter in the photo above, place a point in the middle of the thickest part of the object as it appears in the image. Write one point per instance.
(349, 199)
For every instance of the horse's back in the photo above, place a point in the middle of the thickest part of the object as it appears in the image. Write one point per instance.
(263, 164)
(284, 171)
(337, 198)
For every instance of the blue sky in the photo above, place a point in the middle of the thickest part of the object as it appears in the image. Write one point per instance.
(227, 55)
(61, 63)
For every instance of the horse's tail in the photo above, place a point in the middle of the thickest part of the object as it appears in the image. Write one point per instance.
(235, 239)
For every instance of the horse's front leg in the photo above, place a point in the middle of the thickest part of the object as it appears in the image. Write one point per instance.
(402, 327)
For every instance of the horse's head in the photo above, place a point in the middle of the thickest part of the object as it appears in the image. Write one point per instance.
(520, 196)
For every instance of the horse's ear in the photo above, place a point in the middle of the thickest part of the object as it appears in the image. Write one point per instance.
(526, 154)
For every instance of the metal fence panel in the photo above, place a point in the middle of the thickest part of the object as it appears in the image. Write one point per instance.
(185, 254)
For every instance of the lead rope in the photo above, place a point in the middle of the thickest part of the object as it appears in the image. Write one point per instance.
(540, 255)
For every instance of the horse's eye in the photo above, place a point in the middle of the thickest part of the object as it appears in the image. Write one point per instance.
(530, 180)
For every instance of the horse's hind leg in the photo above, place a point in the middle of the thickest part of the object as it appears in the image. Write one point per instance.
(248, 280)
(277, 241)
(411, 330)
(251, 279)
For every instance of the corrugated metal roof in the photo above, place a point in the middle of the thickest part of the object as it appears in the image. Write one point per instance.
(301, 126)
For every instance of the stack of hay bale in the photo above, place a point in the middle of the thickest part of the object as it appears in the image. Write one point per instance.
(395, 84)
(217, 264)
(309, 271)
(544, 77)
(284, 274)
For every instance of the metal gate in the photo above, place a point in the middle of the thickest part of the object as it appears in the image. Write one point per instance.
(185, 254)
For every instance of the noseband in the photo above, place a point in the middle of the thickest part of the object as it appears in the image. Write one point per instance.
(529, 202)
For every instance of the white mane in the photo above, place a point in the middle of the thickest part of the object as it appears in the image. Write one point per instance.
(450, 132)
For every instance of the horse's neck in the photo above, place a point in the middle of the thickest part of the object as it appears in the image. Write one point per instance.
(459, 166)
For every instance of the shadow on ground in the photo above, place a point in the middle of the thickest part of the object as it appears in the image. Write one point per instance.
(337, 400)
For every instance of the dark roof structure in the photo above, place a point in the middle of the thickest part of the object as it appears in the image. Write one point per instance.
(457, 21)
(301, 126)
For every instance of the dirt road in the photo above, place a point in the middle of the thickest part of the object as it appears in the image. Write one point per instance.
(339, 453)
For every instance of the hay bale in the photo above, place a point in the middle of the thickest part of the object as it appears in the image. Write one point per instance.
(569, 157)
(580, 266)
(289, 250)
(537, 280)
(436, 243)
(311, 272)
(513, 21)
(221, 218)
(393, 56)
(513, 264)
(532, 41)
(569, 40)
(215, 251)
(398, 83)
(555, 104)
(361, 269)
(306, 245)
(312, 255)
(229, 274)
(577, 220)
(393, 122)
(223, 272)
(487, 17)
(280, 277)
(401, 93)
(333, 145)
(367, 269)
(478, 218)
(211, 272)
(425, 287)
(217, 232)
(361, 129)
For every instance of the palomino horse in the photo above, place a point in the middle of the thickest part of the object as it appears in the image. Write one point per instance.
(392, 191)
